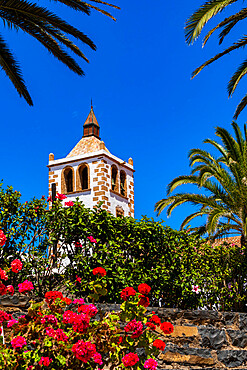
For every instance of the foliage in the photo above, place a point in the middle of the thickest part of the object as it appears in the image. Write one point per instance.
(225, 180)
(75, 240)
(49, 29)
(61, 334)
(198, 20)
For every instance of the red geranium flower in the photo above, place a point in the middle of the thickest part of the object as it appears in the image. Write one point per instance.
(167, 327)
(3, 275)
(78, 245)
(99, 271)
(150, 325)
(16, 266)
(49, 199)
(69, 203)
(127, 292)
(10, 289)
(158, 343)
(78, 279)
(52, 295)
(144, 289)
(2, 238)
(144, 301)
(45, 361)
(3, 289)
(130, 359)
(61, 196)
(156, 320)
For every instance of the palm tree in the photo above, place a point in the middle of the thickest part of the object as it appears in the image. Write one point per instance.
(224, 179)
(49, 29)
(196, 23)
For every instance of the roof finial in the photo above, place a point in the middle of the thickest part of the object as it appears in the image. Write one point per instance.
(91, 103)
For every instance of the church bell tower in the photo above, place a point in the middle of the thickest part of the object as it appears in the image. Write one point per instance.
(91, 173)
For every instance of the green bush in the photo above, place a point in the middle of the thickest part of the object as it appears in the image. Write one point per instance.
(131, 251)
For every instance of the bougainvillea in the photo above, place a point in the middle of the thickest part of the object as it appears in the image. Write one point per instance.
(25, 287)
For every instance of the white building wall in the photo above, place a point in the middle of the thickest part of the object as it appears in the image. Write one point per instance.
(99, 183)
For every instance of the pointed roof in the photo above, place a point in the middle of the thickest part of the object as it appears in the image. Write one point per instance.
(91, 119)
(90, 142)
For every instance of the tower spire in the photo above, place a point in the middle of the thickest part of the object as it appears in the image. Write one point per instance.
(91, 126)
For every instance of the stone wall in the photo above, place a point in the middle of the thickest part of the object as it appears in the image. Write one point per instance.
(201, 339)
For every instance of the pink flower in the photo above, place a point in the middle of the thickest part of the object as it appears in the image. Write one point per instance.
(150, 364)
(51, 319)
(2, 238)
(61, 196)
(89, 310)
(25, 287)
(84, 351)
(91, 239)
(49, 199)
(136, 327)
(195, 289)
(10, 289)
(79, 301)
(18, 342)
(11, 323)
(45, 361)
(16, 265)
(97, 358)
(69, 203)
(61, 336)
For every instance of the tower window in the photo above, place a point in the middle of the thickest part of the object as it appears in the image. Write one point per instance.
(82, 177)
(123, 183)
(114, 178)
(69, 180)
(67, 185)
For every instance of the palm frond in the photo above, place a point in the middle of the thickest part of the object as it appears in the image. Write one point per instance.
(181, 180)
(197, 21)
(240, 107)
(229, 23)
(239, 44)
(13, 71)
(235, 79)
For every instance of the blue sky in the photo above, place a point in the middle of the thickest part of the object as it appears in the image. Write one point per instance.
(144, 100)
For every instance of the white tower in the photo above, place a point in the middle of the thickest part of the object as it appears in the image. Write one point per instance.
(91, 173)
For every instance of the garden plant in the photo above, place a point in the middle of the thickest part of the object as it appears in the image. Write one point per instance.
(64, 333)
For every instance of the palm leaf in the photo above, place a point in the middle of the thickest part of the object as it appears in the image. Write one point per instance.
(240, 107)
(239, 44)
(12, 70)
(197, 21)
(238, 75)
